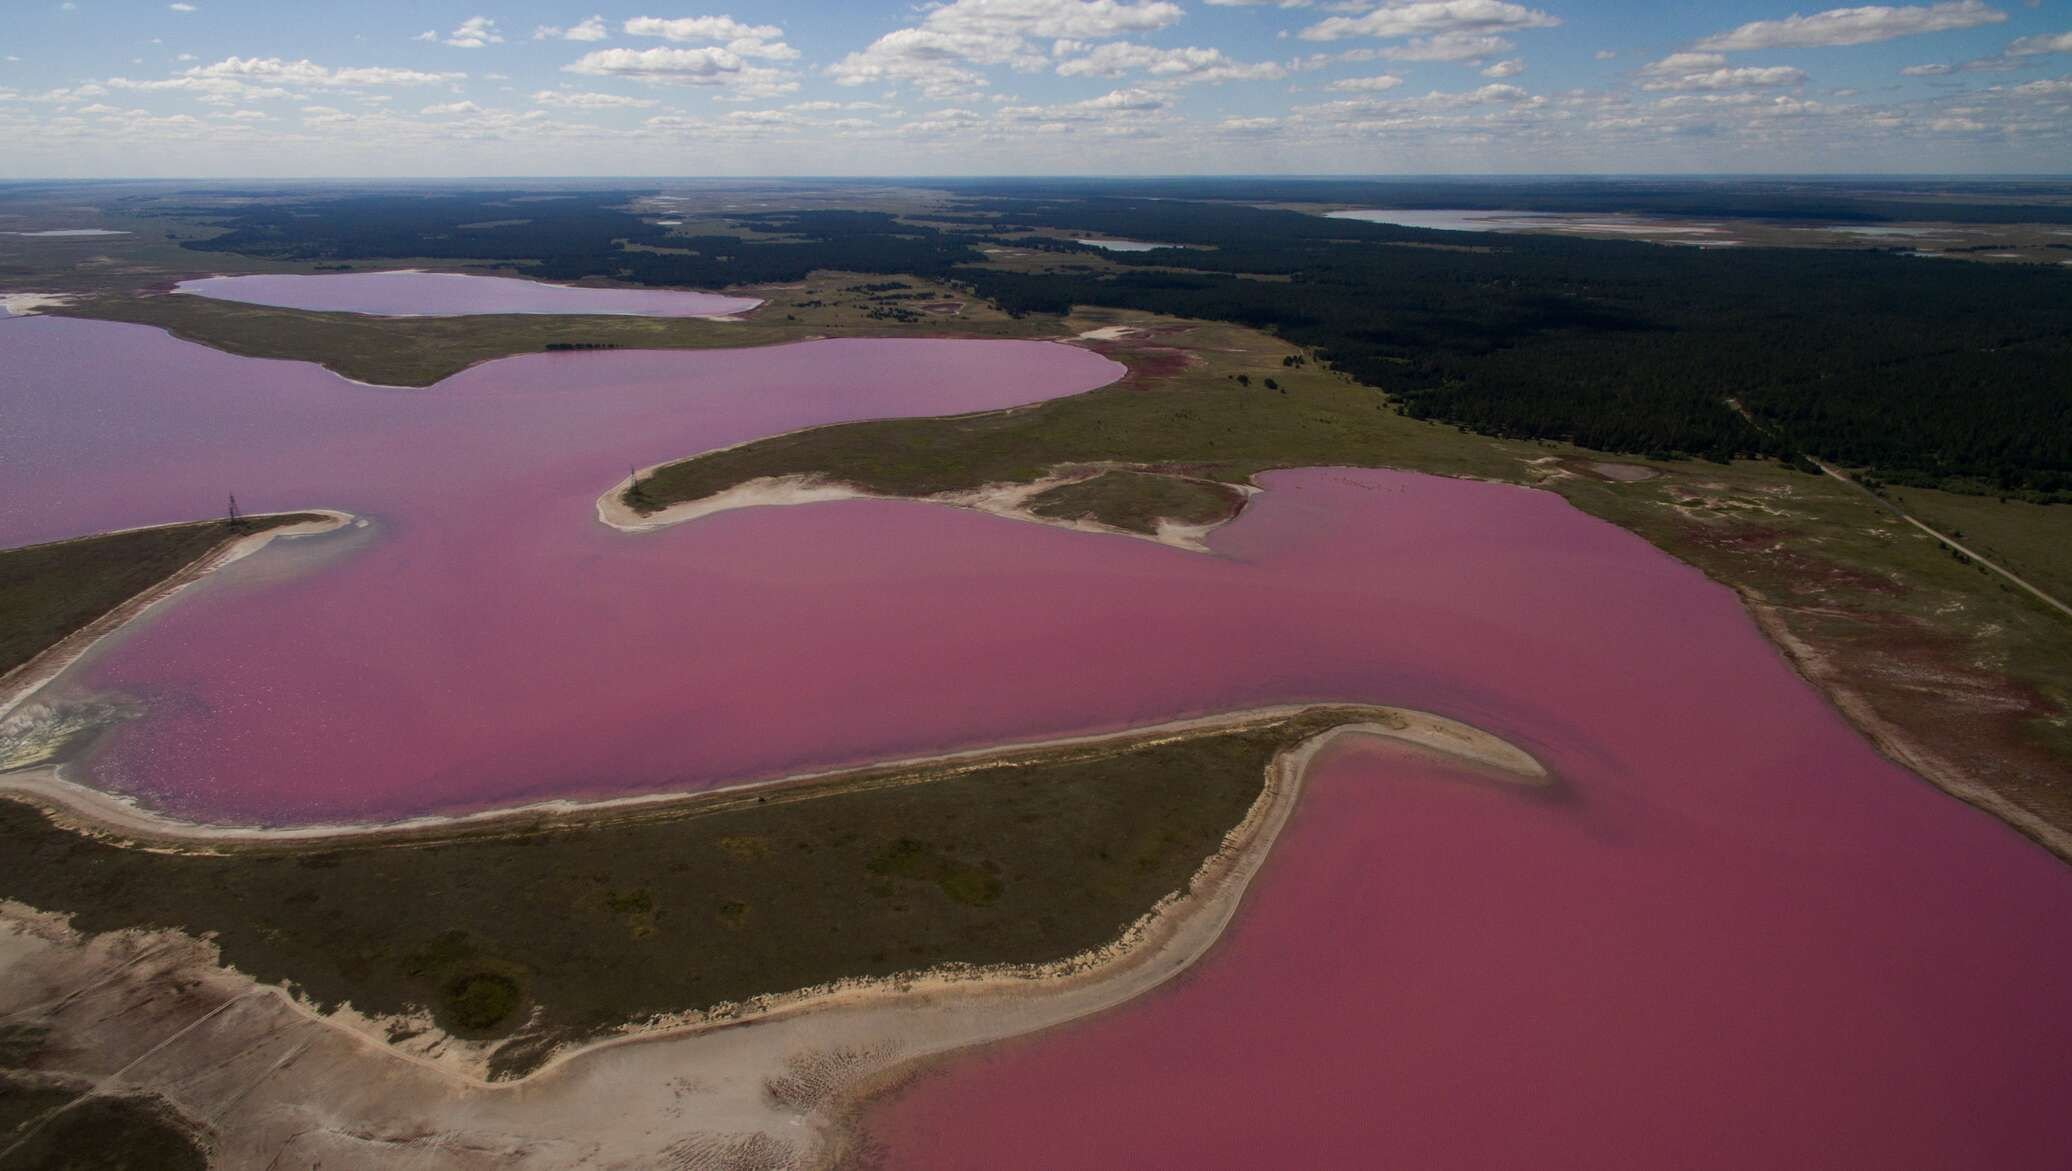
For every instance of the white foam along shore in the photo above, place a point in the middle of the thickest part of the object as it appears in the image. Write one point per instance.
(691, 1082)
(18, 686)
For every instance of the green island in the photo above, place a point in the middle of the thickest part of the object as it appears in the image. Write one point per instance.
(1956, 669)
(53, 590)
(538, 930)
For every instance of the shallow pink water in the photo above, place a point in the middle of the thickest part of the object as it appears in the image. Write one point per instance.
(1739, 938)
(448, 294)
(1661, 970)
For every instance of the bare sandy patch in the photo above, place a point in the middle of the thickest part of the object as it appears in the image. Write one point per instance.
(1007, 500)
(31, 304)
(1624, 473)
(278, 1082)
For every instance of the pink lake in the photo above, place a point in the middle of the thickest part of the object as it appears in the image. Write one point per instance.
(1734, 937)
(448, 294)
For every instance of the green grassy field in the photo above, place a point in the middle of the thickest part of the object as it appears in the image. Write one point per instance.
(1957, 659)
(599, 923)
(2032, 540)
(1181, 410)
(49, 591)
(1137, 501)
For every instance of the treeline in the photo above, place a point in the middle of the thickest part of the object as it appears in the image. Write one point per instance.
(575, 236)
(1831, 201)
(1927, 371)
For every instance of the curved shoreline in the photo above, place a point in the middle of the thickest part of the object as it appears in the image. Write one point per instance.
(721, 315)
(87, 809)
(20, 685)
(794, 1074)
(1007, 500)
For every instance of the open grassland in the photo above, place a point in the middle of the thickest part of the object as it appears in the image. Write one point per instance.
(1181, 409)
(1138, 501)
(419, 351)
(545, 930)
(49, 591)
(2032, 540)
(1958, 674)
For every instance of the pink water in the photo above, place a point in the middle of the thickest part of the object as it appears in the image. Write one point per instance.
(447, 294)
(1737, 937)
(1815, 965)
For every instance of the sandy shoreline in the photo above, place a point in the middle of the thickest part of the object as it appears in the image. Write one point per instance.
(18, 686)
(772, 1077)
(1009, 501)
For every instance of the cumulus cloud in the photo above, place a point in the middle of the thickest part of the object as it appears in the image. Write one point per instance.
(1448, 47)
(591, 29)
(1853, 26)
(939, 54)
(178, 7)
(307, 74)
(1431, 18)
(1510, 68)
(744, 40)
(237, 79)
(1709, 71)
(1367, 84)
(1746, 77)
(1177, 65)
(2038, 45)
(448, 108)
(475, 32)
(584, 100)
(708, 66)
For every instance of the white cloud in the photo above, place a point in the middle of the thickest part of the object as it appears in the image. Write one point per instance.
(1676, 64)
(1180, 65)
(178, 7)
(307, 74)
(938, 54)
(591, 29)
(1853, 26)
(708, 66)
(743, 40)
(1510, 68)
(1367, 84)
(1448, 47)
(1709, 71)
(1604, 54)
(1746, 77)
(452, 108)
(1431, 18)
(2047, 87)
(581, 100)
(473, 33)
(2040, 44)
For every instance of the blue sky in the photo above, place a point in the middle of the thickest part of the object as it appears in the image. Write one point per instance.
(205, 88)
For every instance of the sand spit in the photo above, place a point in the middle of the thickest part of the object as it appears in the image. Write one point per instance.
(30, 304)
(1007, 500)
(18, 685)
(765, 1083)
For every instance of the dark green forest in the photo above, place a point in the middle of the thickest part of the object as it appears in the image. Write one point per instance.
(1927, 372)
